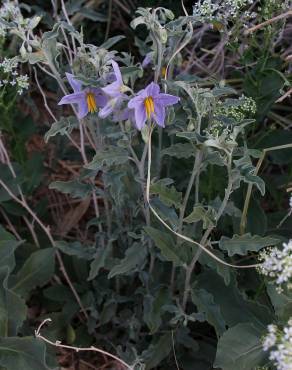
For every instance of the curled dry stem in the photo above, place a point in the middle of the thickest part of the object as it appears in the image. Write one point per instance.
(58, 344)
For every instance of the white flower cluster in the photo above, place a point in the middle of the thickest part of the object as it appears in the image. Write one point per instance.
(221, 10)
(277, 264)
(280, 344)
(12, 77)
(239, 109)
(290, 202)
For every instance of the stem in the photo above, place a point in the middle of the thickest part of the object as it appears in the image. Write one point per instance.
(203, 241)
(77, 349)
(243, 220)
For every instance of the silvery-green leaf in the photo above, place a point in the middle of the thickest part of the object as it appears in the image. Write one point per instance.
(134, 258)
(75, 188)
(36, 271)
(240, 348)
(168, 195)
(180, 150)
(166, 244)
(26, 353)
(242, 244)
(12, 308)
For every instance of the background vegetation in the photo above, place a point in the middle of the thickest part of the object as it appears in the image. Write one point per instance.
(78, 241)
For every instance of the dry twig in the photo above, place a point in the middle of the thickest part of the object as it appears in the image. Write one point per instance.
(78, 349)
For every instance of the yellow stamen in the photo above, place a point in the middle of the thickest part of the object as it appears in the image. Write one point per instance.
(91, 103)
(163, 72)
(149, 106)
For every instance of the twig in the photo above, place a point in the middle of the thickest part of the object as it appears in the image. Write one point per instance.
(249, 189)
(269, 21)
(24, 204)
(44, 96)
(283, 97)
(77, 349)
(10, 225)
(31, 229)
(184, 237)
(109, 19)
(122, 6)
(173, 349)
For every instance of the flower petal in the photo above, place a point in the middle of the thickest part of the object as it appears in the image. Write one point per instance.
(152, 89)
(82, 109)
(106, 110)
(147, 60)
(134, 101)
(167, 99)
(117, 72)
(140, 116)
(100, 98)
(113, 90)
(75, 84)
(159, 114)
(77, 98)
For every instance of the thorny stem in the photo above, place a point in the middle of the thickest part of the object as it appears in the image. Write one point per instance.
(77, 349)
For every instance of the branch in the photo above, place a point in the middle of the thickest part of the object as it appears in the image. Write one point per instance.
(77, 349)
(269, 21)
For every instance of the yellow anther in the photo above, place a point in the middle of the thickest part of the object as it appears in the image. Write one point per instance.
(91, 103)
(149, 106)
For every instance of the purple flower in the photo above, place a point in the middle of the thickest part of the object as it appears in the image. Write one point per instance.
(87, 100)
(114, 92)
(150, 104)
(147, 60)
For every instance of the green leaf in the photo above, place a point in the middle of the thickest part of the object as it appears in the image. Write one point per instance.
(62, 127)
(76, 249)
(110, 156)
(111, 41)
(282, 302)
(276, 137)
(165, 243)
(206, 305)
(108, 312)
(242, 244)
(50, 48)
(92, 15)
(153, 308)
(234, 306)
(240, 348)
(157, 351)
(168, 214)
(75, 188)
(222, 270)
(114, 181)
(11, 182)
(247, 170)
(102, 255)
(8, 245)
(25, 353)
(36, 271)
(180, 150)
(169, 196)
(12, 307)
(134, 258)
(199, 213)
